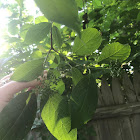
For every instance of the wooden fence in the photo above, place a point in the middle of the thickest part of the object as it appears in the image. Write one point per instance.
(118, 114)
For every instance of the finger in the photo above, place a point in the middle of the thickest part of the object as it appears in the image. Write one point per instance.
(7, 77)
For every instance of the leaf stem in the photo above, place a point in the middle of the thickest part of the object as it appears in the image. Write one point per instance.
(47, 57)
(51, 41)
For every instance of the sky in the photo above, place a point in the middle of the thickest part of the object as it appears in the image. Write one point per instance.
(30, 6)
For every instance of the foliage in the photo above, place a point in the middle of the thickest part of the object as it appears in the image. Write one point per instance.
(16, 111)
(77, 41)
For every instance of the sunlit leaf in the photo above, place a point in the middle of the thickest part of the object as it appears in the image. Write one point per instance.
(28, 71)
(36, 54)
(40, 19)
(90, 41)
(97, 3)
(115, 51)
(53, 60)
(56, 116)
(58, 86)
(28, 19)
(37, 32)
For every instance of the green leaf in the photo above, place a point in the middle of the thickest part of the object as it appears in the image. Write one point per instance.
(83, 101)
(55, 81)
(56, 116)
(138, 17)
(40, 19)
(79, 3)
(28, 19)
(90, 41)
(24, 29)
(36, 54)
(57, 36)
(97, 3)
(13, 27)
(108, 2)
(28, 71)
(58, 86)
(37, 33)
(115, 51)
(61, 11)
(20, 2)
(54, 60)
(18, 116)
(76, 75)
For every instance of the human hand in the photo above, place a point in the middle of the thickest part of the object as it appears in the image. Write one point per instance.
(8, 90)
(5, 79)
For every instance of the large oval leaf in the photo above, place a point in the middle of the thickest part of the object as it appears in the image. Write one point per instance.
(62, 11)
(115, 51)
(56, 116)
(83, 101)
(17, 117)
(37, 33)
(90, 41)
(28, 71)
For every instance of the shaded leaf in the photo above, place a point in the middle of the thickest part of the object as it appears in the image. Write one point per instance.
(90, 41)
(62, 11)
(37, 32)
(115, 51)
(17, 118)
(83, 101)
(56, 116)
(57, 36)
(138, 17)
(28, 71)
(13, 27)
(76, 75)
(24, 29)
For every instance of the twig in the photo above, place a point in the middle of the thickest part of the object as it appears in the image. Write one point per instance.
(51, 41)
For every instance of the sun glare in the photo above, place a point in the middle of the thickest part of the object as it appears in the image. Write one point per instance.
(4, 13)
(3, 25)
(30, 6)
